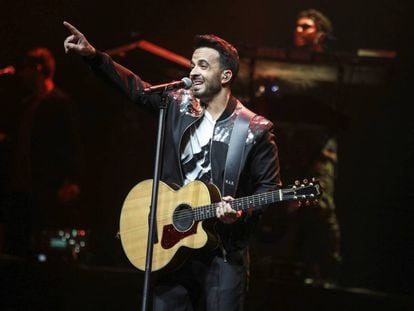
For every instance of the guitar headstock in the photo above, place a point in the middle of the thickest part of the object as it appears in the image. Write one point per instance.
(306, 192)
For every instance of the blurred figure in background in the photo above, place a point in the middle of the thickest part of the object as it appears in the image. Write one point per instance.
(320, 234)
(44, 157)
(306, 239)
(313, 31)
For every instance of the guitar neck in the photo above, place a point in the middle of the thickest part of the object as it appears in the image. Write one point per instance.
(244, 203)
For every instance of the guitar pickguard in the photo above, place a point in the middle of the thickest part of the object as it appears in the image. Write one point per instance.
(170, 236)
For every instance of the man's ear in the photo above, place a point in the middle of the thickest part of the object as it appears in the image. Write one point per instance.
(226, 76)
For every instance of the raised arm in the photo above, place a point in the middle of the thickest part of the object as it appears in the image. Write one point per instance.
(107, 69)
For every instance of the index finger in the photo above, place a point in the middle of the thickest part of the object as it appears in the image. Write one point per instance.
(71, 28)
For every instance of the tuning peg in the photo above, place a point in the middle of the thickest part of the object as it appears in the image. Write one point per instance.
(305, 181)
(315, 180)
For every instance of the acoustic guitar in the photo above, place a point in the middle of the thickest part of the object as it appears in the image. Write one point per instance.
(181, 218)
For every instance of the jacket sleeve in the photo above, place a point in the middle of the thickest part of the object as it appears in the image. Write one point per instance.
(123, 79)
(264, 162)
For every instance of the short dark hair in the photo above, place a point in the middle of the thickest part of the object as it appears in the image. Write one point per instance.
(322, 22)
(229, 57)
(41, 56)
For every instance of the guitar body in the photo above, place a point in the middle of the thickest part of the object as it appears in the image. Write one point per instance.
(174, 230)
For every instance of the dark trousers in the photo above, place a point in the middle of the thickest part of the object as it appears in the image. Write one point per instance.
(203, 284)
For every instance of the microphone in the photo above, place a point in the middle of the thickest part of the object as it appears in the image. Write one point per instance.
(184, 83)
(10, 70)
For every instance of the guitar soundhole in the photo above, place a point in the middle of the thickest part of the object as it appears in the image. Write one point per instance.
(183, 217)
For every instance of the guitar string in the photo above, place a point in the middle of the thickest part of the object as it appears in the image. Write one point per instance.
(252, 201)
(237, 204)
(210, 213)
(210, 210)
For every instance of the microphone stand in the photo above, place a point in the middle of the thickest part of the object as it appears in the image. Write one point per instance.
(152, 233)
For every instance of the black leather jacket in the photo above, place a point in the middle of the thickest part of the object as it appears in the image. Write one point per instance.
(260, 164)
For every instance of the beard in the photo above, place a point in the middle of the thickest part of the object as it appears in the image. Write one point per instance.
(208, 89)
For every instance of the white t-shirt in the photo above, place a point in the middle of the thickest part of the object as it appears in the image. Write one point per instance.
(195, 155)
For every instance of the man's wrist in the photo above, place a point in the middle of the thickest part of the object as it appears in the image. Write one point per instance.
(94, 59)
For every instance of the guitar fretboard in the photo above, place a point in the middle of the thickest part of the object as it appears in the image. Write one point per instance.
(244, 203)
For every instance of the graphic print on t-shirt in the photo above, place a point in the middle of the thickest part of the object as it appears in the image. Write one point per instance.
(195, 157)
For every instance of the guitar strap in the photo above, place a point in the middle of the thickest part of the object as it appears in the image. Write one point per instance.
(236, 151)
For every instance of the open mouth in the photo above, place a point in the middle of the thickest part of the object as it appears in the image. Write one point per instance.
(197, 82)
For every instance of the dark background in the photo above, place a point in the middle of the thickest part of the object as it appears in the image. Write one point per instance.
(374, 194)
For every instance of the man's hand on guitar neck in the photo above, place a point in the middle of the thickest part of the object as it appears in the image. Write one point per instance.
(225, 213)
